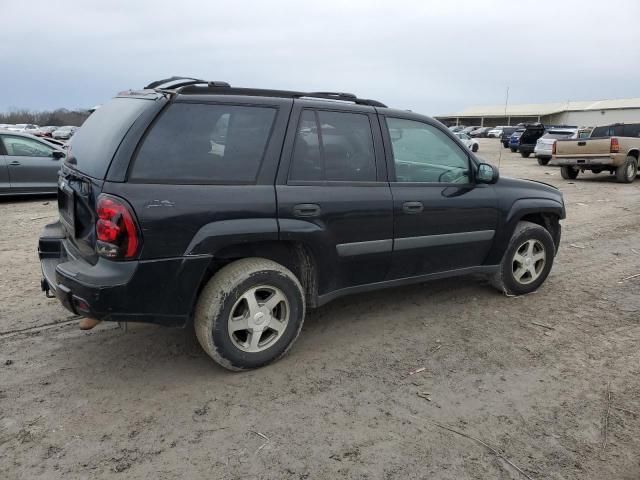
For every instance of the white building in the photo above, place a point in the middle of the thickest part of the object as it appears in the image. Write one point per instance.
(586, 114)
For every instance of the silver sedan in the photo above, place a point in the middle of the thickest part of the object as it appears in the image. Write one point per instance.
(28, 165)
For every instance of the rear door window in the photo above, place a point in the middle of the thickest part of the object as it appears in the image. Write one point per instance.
(333, 146)
(194, 143)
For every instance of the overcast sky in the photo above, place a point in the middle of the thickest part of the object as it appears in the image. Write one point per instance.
(431, 57)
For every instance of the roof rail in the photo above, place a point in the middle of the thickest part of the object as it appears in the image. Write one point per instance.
(222, 88)
(183, 82)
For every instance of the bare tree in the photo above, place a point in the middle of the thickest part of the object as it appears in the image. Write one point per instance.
(61, 116)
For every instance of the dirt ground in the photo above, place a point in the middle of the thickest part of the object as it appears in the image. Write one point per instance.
(558, 403)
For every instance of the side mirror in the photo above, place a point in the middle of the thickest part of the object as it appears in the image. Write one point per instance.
(57, 154)
(487, 173)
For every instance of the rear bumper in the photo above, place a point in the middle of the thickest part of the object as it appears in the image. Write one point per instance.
(581, 162)
(153, 291)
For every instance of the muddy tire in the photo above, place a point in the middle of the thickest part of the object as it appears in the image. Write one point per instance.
(249, 314)
(543, 161)
(569, 172)
(525, 154)
(626, 173)
(527, 261)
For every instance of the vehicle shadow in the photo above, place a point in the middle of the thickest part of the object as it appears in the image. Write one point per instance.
(153, 352)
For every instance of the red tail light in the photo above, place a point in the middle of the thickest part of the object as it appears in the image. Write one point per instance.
(117, 232)
(615, 146)
(553, 148)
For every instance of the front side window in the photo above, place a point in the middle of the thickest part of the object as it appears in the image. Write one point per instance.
(333, 146)
(25, 147)
(422, 153)
(203, 143)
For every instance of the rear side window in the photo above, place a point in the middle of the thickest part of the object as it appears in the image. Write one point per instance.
(632, 130)
(95, 143)
(333, 146)
(203, 143)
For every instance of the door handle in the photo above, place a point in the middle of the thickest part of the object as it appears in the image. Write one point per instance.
(15, 163)
(412, 207)
(306, 210)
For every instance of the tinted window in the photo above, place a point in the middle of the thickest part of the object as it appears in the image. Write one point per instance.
(632, 130)
(200, 143)
(93, 145)
(333, 146)
(608, 131)
(25, 147)
(422, 153)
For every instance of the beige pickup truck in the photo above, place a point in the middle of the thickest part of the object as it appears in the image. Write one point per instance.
(611, 148)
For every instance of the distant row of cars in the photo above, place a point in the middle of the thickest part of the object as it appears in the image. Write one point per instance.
(58, 132)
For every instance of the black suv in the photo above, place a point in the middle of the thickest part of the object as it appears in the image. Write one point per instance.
(237, 209)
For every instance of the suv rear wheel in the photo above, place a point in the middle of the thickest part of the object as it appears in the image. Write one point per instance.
(249, 314)
(527, 261)
(626, 173)
(568, 172)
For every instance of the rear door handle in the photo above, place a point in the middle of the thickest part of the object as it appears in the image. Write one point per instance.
(306, 210)
(15, 163)
(412, 207)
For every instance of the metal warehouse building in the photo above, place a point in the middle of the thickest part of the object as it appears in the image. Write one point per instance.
(587, 114)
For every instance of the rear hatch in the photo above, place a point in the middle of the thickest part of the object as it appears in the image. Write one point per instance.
(89, 156)
(531, 135)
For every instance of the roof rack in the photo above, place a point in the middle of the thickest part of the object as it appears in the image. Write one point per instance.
(170, 83)
(223, 88)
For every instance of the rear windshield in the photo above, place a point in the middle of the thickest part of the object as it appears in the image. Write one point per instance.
(608, 131)
(558, 135)
(93, 145)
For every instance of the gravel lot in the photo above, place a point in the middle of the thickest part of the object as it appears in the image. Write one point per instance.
(147, 403)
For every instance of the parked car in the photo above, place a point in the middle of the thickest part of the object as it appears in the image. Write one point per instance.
(495, 132)
(514, 139)
(468, 130)
(612, 148)
(5, 126)
(45, 131)
(27, 164)
(480, 132)
(457, 128)
(23, 127)
(529, 137)
(64, 133)
(309, 199)
(506, 135)
(469, 142)
(544, 146)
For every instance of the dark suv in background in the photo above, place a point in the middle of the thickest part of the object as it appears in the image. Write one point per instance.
(238, 209)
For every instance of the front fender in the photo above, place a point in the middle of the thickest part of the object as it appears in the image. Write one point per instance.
(519, 209)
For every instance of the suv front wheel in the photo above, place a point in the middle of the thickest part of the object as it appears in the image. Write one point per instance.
(527, 260)
(249, 313)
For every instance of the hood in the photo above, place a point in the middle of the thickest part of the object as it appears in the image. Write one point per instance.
(532, 185)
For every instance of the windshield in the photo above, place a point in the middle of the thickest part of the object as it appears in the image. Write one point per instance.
(93, 146)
